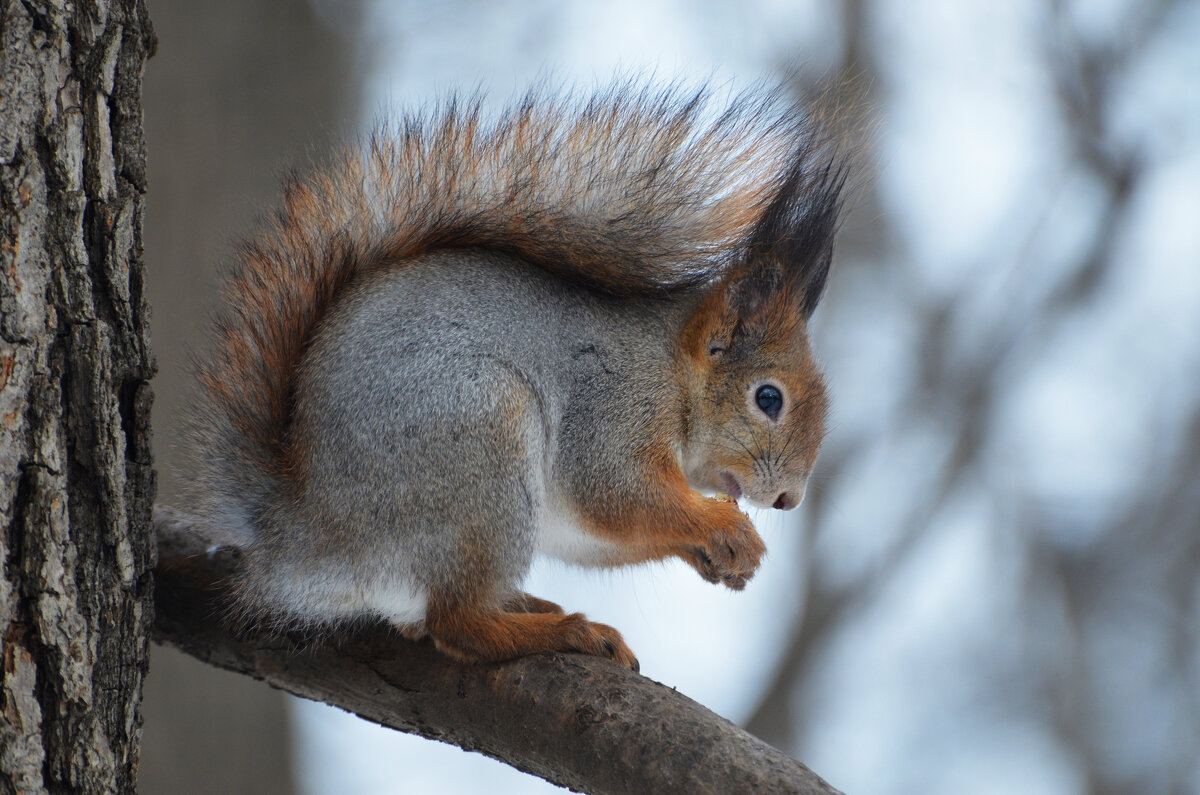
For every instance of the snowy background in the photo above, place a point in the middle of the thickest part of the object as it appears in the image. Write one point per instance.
(993, 585)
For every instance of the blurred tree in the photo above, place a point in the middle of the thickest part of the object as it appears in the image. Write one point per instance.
(861, 242)
(1093, 648)
(237, 93)
(75, 479)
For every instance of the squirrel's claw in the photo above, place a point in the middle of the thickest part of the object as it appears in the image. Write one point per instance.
(612, 646)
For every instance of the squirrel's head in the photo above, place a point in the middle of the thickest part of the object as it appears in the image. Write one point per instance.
(757, 397)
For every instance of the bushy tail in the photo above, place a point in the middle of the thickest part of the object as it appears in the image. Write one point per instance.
(629, 191)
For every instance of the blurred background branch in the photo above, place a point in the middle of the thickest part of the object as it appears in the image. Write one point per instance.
(1139, 557)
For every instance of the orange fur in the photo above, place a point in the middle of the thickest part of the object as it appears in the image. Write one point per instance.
(466, 632)
(672, 520)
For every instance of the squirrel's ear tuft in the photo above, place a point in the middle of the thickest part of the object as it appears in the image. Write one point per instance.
(787, 256)
(776, 280)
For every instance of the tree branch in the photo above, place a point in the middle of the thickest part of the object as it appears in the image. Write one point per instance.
(577, 721)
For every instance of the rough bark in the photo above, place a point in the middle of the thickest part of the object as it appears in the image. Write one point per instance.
(580, 722)
(75, 479)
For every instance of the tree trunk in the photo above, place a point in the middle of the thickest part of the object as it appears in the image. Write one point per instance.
(76, 484)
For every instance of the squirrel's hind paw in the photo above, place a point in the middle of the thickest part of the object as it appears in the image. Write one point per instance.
(472, 635)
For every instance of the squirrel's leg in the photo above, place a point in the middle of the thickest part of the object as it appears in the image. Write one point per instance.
(489, 517)
(668, 519)
(521, 602)
(473, 634)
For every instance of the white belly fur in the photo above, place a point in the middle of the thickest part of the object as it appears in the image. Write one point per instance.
(331, 598)
(399, 601)
(561, 536)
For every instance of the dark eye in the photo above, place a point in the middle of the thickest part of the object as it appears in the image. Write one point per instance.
(769, 399)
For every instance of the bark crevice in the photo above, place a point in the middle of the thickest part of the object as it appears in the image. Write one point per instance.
(76, 552)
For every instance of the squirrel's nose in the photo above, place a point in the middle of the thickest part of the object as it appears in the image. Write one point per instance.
(785, 502)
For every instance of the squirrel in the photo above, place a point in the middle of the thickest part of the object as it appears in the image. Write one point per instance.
(552, 331)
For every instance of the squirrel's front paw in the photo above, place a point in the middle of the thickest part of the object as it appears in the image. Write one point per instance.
(731, 553)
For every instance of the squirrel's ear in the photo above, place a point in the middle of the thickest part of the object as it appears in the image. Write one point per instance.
(739, 311)
(710, 330)
(787, 256)
(752, 288)
(783, 265)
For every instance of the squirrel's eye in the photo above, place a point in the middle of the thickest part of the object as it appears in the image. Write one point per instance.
(769, 399)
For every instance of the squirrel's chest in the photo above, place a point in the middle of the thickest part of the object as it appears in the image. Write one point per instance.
(562, 536)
